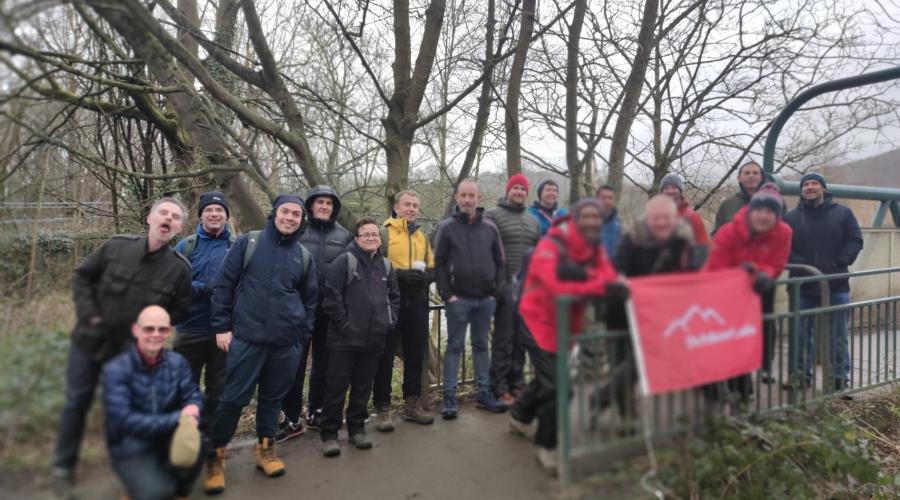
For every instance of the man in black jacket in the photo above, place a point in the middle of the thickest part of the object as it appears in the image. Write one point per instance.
(468, 261)
(827, 237)
(362, 301)
(110, 288)
(325, 238)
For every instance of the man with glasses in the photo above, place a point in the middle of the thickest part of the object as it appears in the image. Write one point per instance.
(111, 287)
(362, 301)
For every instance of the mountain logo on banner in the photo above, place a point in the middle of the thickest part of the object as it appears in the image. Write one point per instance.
(704, 327)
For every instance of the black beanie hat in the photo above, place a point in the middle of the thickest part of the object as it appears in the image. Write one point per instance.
(541, 186)
(813, 176)
(213, 198)
(281, 199)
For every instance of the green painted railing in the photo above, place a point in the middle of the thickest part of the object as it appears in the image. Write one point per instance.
(600, 411)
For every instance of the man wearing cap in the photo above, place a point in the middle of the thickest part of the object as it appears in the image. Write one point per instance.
(750, 178)
(519, 233)
(672, 186)
(205, 249)
(147, 391)
(827, 237)
(263, 307)
(545, 208)
(760, 241)
(110, 288)
(612, 225)
(468, 263)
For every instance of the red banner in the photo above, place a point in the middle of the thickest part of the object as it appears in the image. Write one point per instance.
(694, 328)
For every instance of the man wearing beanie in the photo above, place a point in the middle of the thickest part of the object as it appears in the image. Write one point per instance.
(544, 208)
(758, 239)
(750, 178)
(519, 233)
(827, 237)
(263, 308)
(672, 186)
(205, 249)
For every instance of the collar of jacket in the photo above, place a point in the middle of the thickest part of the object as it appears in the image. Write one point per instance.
(642, 236)
(577, 248)
(224, 235)
(272, 232)
(401, 223)
(464, 217)
(809, 207)
(321, 225)
(549, 211)
(361, 255)
(611, 215)
(137, 357)
(508, 205)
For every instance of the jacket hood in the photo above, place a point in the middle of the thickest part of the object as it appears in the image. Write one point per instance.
(577, 247)
(461, 217)
(504, 203)
(401, 223)
(317, 191)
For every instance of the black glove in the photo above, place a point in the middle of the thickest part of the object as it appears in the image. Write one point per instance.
(617, 290)
(569, 271)
(746, 266)
(762, 283)
(412, 278)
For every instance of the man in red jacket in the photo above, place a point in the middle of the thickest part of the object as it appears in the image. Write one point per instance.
(672, 185)
(568, 261)
(758, 239)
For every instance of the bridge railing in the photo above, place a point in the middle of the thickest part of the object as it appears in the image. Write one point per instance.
(601, 413)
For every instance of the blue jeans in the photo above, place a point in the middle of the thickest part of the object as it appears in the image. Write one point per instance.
(839, 351)
(461, 313)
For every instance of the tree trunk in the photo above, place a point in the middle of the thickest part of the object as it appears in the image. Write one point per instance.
(513, 137)
(575, 166)
(633, 86)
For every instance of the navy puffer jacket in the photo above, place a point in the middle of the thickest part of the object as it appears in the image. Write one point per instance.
(273, 300)
(142, 404)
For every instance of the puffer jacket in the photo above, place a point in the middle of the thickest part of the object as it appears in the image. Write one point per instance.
(272, 300)
(362, 312)
(468, 257)
(206, 260)
(735, 244)
(142, 404)
(826, 237)
(519, 232)
(538, 304)
(326, 239)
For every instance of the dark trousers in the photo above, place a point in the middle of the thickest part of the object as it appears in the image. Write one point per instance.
(199, 354)
(507, 353)
(411, 333)
(621, 380)
(318, 343)
(149, 476)
(82, 375)
(538, 400)
(768, 305)
(356, 370)
(248, 364)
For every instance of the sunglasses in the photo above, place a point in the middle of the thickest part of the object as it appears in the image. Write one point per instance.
(161, 329)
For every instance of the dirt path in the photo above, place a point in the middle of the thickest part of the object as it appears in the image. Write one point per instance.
(473, 457)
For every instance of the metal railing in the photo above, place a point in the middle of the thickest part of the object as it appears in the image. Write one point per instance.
(600, 412)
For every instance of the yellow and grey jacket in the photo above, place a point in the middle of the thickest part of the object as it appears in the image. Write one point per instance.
(403, 243)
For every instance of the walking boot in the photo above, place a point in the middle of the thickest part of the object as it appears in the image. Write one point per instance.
(383, 420)
(266, 459)
(413, 412)
(214, 481)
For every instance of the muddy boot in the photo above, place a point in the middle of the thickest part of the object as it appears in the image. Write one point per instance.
(214, 481)
(383, 420)
(267, 460)
(413, 412)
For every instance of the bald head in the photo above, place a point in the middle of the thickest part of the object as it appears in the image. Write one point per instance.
(467, 196)
(151, 330)
(661, 217)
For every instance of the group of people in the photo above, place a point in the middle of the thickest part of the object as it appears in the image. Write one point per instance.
(251, 310)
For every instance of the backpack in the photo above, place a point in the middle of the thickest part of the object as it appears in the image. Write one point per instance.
(352, 264)
(253, 236)
(190, 243)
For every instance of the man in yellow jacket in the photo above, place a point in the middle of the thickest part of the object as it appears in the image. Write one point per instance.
(404, 243)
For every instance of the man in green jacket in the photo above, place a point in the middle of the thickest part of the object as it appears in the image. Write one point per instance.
(750, 177)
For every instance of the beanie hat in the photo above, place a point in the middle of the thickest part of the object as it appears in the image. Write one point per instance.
(588, 202)
(542, 185)
(287, 198)
(213, 198)
(517, 179)
(672, 180)
(813, 176)
(768, 196)
(185, 446)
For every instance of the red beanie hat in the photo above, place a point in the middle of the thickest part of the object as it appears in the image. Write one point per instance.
(519, 179)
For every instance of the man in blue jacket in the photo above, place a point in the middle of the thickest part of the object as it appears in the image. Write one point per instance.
(612, 225)
(545, 206)
(146, 391)
(827, 237)
(205, 249)
(263, 307)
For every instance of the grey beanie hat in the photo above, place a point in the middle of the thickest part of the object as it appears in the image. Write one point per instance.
(672, 180)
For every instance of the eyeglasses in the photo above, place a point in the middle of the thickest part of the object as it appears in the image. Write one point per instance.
(368, 236)
(161, 329)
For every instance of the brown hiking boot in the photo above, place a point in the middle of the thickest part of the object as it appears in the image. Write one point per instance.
(214, 482)
(266, 459)
(413, 412)
(383, 420)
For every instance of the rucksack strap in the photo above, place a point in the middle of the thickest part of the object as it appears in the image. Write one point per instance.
(189, 244)
(352, 264)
